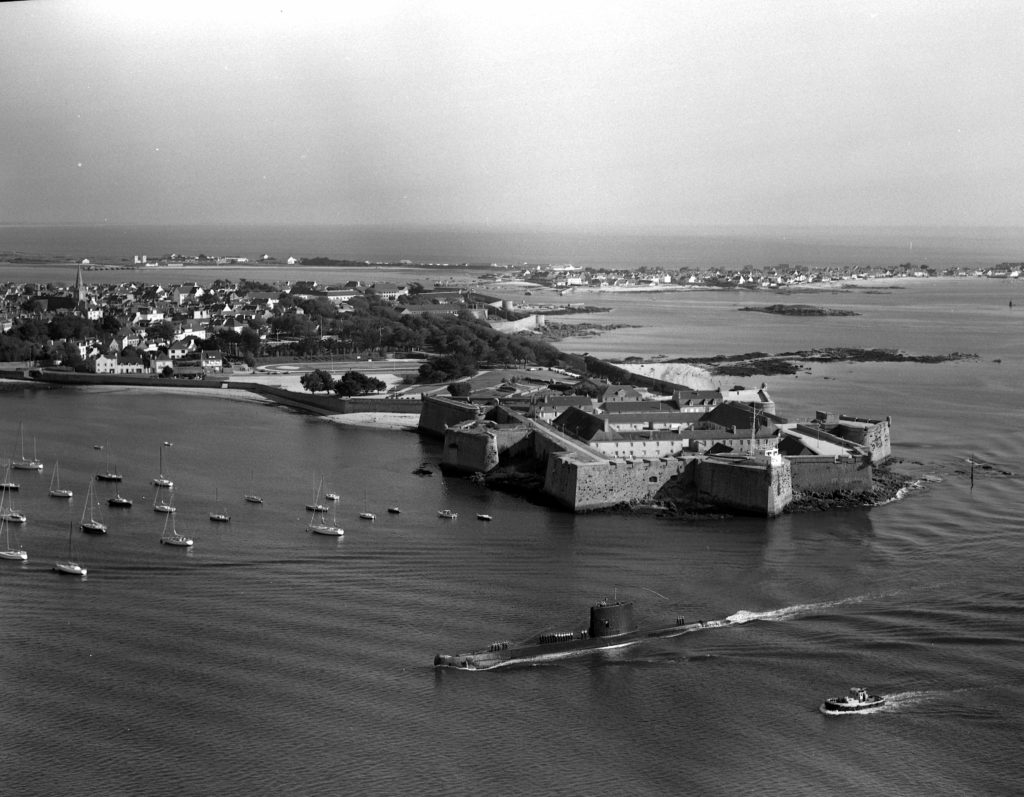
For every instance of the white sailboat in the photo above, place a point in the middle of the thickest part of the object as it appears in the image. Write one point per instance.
(251, 496)
(172, 537)
(365, 514)
(55, 489)
(91, 525)
(318, 525)
(8, 550)
(222, 516)
(69, 565)
(160, 505)
(161, 480)
(24, 463)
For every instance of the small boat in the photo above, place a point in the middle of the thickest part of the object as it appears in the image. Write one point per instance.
(251, 496)
(161, 506)
(332, 497)
(394, 510)
(9, 486)
(857, 699)
(55, 489)
(482, 516)
(92, 525)
(447, 513)
(9, 550)
(69, 565)
(108, 474)
(172, 537)
(24, 463)
(161, 480)
(119, 501)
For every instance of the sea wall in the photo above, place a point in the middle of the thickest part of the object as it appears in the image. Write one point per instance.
(745, 486)
(327, 404)
(817, 474)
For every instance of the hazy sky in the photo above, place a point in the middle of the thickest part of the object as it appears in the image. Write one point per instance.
(559, 113)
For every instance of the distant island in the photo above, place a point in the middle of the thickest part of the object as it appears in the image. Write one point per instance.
(798, 309)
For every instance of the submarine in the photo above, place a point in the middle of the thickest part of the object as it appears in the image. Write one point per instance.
(611, 626)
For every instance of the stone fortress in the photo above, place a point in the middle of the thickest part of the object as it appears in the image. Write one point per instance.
(611, 444)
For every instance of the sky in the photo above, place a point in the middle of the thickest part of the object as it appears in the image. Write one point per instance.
(599, 114)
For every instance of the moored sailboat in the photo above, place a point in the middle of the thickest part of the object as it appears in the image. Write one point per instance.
(162, 480)
(56, 490)
(91, 525)
(9, 550)
(316, 506)
(69, 565)
(24, 463)
(251, 496)
(9, 515)
(160, 505)
(172, 537)
(108, 474)
(222, 516)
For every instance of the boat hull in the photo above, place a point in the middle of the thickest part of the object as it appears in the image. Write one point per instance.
(177, 541)
(61, 494)
(93, 527)
(108, 477)
(122, 503)
(841, 706)
(16, 555)
(26, 465)
(69, 568)
(254, 499)
(327, 531)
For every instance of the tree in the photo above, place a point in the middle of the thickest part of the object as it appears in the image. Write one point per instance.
(460, 389)
(317, 380)
(354, 383)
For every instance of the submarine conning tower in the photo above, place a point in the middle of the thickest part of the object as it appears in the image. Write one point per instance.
(611, 619)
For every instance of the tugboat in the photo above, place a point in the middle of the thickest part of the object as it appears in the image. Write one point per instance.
(611, 626)
(857, 699)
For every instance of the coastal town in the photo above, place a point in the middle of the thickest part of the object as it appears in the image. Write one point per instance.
(583, 433)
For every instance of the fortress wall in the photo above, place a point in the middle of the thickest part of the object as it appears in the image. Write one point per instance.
(751, 488)
(469, 449)
(828, 474)
(582, 486)
(328, 404)
(875, 436)
(437, 414)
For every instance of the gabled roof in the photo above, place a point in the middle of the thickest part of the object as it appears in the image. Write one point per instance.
(584, 425)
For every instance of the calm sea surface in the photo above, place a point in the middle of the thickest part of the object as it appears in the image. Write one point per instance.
(266, 660)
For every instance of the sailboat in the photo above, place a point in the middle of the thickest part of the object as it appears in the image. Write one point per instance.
(161, 480)
(69, 566)
(319, 526)
(366, 515)
(161, 506)
(8, 551)
(251, 496)
(172, 537)
(92, 525)
(119, 501)
(222, 516)
(24, 463)
(108, 474)
(55, 489)
(316, 506)
(7, 484)
(11, 515)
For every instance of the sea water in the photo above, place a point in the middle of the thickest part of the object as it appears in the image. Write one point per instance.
(268, 660)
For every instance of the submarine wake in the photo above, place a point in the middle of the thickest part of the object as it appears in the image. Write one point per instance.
(783, 614)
